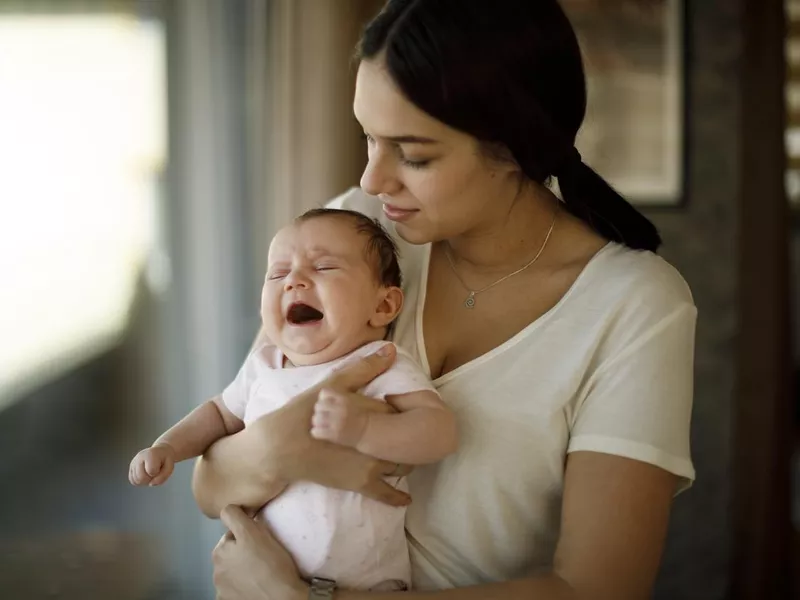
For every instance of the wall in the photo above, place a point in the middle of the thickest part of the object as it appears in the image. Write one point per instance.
(700, 240)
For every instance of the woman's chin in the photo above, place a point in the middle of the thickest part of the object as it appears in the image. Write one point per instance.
(412, 235)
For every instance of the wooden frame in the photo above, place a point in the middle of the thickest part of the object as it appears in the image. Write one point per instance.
(635, 59)
(762, 530)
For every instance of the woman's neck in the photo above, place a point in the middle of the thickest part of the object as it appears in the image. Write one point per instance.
(512, 238)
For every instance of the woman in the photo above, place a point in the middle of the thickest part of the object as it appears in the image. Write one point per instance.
(562, 342)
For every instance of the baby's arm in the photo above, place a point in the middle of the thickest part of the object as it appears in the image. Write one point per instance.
(189, 438)
(423, 431)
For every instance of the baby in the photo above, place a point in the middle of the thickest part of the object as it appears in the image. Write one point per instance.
(331, 293)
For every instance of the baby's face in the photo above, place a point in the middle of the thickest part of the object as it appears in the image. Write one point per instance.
(321, 299)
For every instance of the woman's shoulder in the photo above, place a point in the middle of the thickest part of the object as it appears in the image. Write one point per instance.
(624, 297)
(635, 285)
(643, 272)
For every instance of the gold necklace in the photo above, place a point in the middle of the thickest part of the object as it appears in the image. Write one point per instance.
(470, 301)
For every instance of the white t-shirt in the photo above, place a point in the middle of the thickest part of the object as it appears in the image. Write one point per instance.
(608, 369)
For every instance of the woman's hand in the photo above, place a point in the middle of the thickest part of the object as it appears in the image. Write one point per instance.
(253, 466)
(250, 564)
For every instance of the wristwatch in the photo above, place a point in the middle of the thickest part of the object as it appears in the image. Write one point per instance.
(321, 588)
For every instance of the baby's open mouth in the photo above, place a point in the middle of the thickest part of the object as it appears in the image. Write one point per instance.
(303, 314)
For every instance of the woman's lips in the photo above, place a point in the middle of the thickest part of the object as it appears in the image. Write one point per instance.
(395, 213)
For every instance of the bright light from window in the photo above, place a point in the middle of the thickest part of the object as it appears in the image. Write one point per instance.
(82, 142)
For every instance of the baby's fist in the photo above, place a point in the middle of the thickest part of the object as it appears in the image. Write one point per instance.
(337, 420)
(152, 466)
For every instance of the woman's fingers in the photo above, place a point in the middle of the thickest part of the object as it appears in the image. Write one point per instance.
(226, 537)
(250, 563)
(355, 376)
(380, 490)
(376, 487)
(390, 469)
(285, 448)
(349, 378)
(237, 521)
(360, 402)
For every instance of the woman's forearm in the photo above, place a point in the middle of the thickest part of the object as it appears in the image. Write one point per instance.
(545, 587)
(417, 437)
(222, 478)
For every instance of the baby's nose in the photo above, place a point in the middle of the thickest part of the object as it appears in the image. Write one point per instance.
(294, 280)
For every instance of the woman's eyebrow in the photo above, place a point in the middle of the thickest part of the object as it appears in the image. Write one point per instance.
(410, 139)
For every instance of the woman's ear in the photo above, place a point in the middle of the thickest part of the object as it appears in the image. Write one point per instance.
(389, 306)
(499, 160)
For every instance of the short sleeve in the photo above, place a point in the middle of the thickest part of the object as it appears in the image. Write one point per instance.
(638, 403)
(238, 391)
(237, 394)
(404, 377)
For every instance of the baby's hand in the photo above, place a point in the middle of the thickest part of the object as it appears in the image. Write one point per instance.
(337, 419)
(152, 466)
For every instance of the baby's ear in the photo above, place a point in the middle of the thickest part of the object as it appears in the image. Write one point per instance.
(390, 303)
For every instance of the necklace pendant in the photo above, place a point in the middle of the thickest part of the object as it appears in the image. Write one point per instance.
(470, 301)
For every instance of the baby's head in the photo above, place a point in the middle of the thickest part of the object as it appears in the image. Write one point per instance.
(332, 285)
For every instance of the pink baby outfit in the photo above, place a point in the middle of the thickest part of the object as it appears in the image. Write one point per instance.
(330, 533)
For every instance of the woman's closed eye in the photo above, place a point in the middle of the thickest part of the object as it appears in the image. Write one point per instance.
(418, 163)
(415, 164)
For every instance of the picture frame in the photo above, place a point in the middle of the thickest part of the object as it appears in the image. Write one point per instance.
(634, 56)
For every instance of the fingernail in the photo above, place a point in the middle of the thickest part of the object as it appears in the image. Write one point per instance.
(384, 350)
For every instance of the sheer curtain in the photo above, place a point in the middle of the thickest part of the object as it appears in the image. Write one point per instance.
(301, 98)
(261, 127)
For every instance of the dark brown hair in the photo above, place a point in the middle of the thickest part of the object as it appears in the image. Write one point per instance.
(509, 73)
(379, 250)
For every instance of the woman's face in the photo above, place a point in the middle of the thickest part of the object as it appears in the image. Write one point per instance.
(433, 180)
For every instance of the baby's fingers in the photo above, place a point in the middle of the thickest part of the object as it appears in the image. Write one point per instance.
(138, 475)
(152, 464)
(163, 475)
(131, 475)
(330, 401)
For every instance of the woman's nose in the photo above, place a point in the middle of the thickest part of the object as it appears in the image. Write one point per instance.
(379, 177)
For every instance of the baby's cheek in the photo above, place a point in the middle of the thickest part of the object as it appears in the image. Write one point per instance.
(269, 304)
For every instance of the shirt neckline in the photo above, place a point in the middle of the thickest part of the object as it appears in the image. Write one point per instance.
(509, 343)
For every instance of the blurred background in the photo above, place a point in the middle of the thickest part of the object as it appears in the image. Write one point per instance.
(148, 151)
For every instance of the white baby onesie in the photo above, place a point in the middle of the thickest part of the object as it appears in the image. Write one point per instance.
(330, 533)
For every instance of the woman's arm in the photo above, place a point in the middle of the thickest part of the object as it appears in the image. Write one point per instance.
(253, 466)
(614, 520)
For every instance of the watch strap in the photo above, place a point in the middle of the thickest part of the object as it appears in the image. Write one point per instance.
(321, 588)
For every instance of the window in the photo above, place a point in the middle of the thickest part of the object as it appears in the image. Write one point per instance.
(82, 147)
(793, 101)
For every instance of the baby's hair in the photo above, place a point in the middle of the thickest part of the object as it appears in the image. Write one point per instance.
(380, 249)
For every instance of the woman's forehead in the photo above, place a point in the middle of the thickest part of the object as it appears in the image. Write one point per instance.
(384, 111)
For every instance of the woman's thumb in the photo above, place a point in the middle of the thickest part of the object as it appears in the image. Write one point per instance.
(355, 376)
